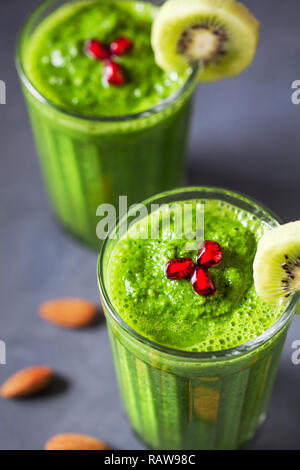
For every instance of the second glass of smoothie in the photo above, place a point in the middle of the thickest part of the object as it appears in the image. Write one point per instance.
(97, 142)
(194, 372)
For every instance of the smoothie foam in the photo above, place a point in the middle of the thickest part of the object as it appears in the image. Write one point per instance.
(169, 312)
(58, 67)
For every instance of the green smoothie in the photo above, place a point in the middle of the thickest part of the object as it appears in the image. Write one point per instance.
(169, 312)
(57, 65)
(195, 372)
(95, 140)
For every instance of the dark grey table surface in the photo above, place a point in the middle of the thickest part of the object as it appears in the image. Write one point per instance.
(245, 136)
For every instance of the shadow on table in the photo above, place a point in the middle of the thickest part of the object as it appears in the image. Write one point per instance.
(58, 386)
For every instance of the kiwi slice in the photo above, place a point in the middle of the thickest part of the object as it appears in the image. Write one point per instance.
(220, 34)
(277, 264)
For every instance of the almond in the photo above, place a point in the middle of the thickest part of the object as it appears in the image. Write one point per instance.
(75, 442)
(69, 313)
(27, 382)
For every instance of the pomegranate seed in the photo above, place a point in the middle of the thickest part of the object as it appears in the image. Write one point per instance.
(120, 46)
(96, 50)
(113, 73)
(210, 254)
(179, 268)
(202, 282)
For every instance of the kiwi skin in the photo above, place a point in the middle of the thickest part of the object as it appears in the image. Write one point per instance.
(227, 17)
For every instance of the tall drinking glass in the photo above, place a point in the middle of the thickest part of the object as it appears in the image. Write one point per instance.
(192, 400)
(87, 161)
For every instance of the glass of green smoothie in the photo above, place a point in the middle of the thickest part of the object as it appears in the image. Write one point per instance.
(194, 371)
(97, 140)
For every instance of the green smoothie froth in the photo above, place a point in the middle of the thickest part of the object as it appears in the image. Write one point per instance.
(170, 312)
(59, 68)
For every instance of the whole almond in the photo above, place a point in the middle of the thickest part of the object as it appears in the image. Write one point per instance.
(69, 313)
(75, 442)
(27, 382)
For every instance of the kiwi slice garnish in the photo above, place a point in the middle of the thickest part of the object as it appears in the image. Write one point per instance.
(220, 34)
(277, 264)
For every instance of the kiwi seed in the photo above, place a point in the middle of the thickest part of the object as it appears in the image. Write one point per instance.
(291, 282)
(202, 42)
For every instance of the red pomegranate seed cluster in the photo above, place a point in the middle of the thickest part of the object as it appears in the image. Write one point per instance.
(113, 71)
(209, 255)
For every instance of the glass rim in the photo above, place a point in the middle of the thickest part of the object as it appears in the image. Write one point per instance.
(224, 354)
(161, 106)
